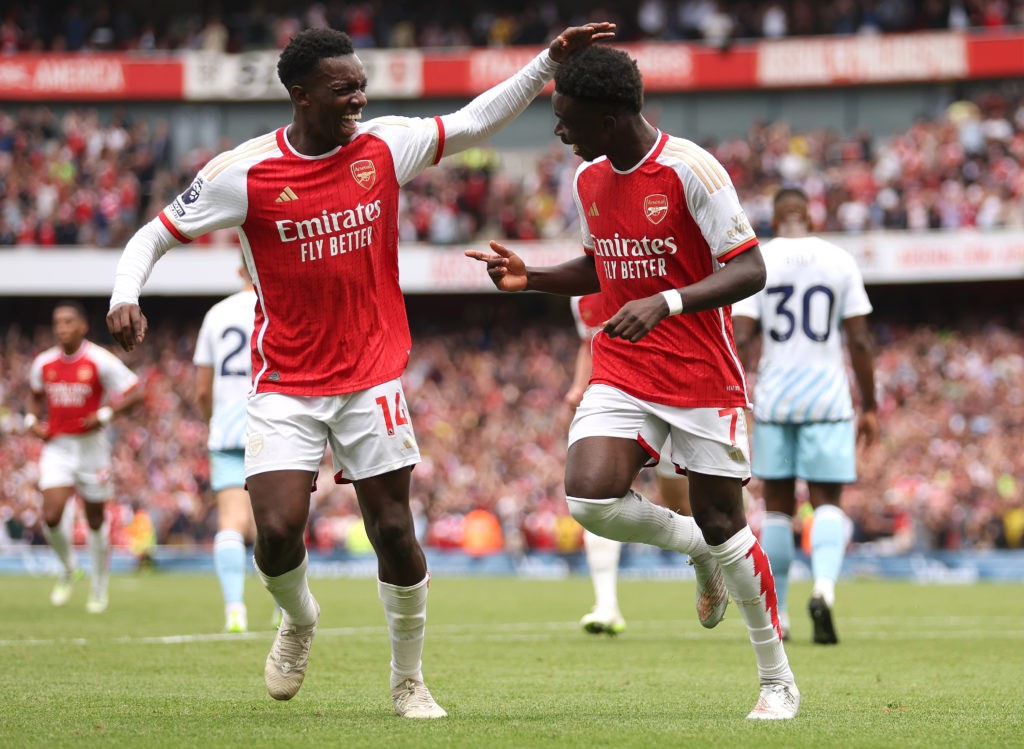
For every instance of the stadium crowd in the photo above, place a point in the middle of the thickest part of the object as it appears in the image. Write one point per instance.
(74, 180)
(236, 26)
(489, 415)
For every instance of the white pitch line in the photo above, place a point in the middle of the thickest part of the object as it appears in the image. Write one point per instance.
(868, 629)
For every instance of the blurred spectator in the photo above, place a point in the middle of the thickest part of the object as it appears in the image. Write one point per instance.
(947, 474)
(75, 180)
(238, 26)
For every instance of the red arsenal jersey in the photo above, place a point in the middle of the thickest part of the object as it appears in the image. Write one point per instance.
(668, 222)
(76, 386)
(320, 238)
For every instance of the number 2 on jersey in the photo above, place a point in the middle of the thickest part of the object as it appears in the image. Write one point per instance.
(399, 417)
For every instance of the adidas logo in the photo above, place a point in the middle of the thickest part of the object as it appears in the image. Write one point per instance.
(287, 195)
(593, 210)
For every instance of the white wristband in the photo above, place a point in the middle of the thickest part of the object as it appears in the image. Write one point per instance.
(104, 415)
(30, 420)
(675, 301)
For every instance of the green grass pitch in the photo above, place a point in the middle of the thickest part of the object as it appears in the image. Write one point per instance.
(917, 666)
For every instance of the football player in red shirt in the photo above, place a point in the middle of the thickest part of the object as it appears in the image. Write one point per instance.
(669, 247)
(316, 206)
(82, 387)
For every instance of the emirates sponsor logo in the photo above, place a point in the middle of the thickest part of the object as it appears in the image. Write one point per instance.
(328, 222)
(656, 208)
(364, 173)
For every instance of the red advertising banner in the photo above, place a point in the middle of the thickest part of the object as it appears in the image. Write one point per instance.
(667, 67)
(88, 78)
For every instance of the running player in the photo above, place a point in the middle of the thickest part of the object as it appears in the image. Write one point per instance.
(82, 387)
(223, 380)
(803, 414)
(670, 247)
(316, 206)
(603, 554)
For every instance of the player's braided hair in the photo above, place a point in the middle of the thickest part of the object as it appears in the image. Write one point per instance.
(301, 55)
(603, 75)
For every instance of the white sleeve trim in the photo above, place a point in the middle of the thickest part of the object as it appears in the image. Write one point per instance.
(147, 246)
(497, 106)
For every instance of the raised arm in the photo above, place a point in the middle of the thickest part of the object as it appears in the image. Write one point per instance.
(496, 107)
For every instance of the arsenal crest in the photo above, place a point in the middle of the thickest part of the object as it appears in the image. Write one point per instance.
(656, 208)
(364, 173)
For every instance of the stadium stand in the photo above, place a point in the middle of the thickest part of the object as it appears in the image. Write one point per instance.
(75, 180)
(84, 171)
(491, 423)
(236, 26)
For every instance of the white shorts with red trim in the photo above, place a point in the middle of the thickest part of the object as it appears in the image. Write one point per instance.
(369, 432)
(78, 460)
(705, 440)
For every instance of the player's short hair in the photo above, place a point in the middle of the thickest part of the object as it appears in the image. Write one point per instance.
(789, 192)
(603, 75)
(77, 306)
(300, 56)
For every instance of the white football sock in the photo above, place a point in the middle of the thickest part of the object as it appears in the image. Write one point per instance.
(406, 612)
(748, 577)
(634, 518)
(99, 553)
(603, 562)
(291, 593)
(60, 542)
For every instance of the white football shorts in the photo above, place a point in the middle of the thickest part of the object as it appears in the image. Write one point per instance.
(705, 440)
(369, 432)
(78, 460)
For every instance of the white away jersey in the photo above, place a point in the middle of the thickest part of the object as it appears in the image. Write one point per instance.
(223, 345)
(812, 287)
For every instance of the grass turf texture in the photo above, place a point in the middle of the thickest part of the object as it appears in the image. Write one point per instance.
(917, 666)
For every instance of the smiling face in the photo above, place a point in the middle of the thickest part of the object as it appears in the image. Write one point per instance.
(583, 126)
(329, 103)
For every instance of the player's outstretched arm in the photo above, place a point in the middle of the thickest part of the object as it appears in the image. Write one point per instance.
(506, 269)
(509, 273)
(493, 109)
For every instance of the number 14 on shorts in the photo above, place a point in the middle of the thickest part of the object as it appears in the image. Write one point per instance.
(398, 418)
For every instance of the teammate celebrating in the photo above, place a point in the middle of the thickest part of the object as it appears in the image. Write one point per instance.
(223, 380)
(803, 413)
(316, 206)
(669, 246)
(603, 554)
(83, 387)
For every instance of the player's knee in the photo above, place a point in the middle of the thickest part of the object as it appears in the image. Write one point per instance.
(391, 535)
(281, 530)
(593, 514)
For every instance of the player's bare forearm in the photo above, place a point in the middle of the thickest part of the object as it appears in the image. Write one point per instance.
(739, 278)
(862, 359)
(575, 277)
(508, 272)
